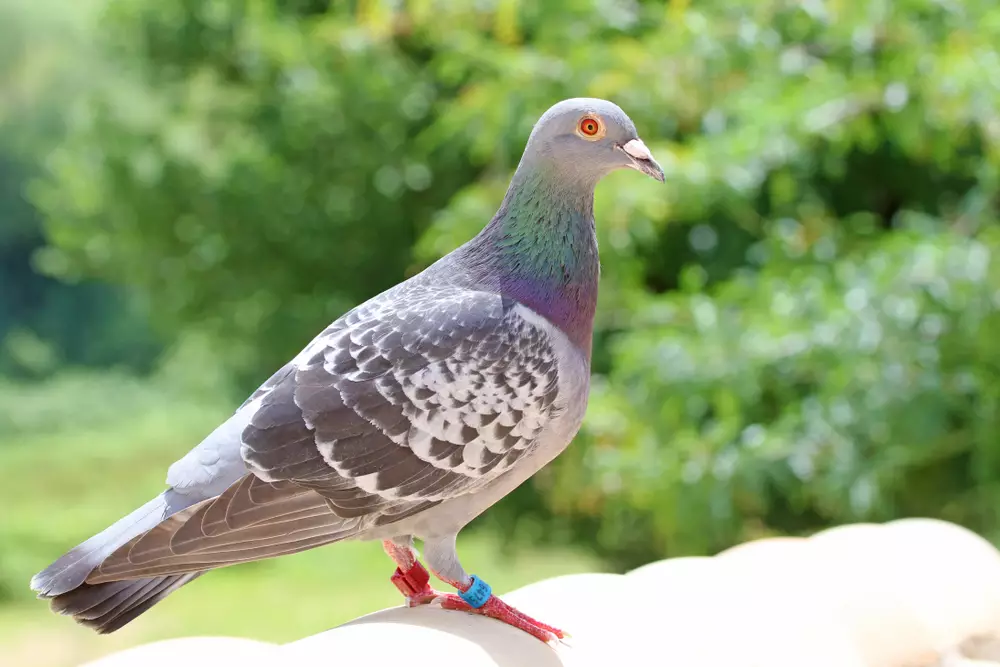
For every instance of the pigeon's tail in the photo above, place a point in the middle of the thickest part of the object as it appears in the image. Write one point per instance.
(116, 575)
(107, 607)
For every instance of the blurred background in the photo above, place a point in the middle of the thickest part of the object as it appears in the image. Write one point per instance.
(799, 330)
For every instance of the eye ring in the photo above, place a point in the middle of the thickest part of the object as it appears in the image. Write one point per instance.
(590, 128)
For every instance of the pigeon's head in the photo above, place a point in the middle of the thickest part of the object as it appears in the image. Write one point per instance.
(589, 138)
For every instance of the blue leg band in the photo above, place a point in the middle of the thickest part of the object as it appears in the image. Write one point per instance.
(477, 595)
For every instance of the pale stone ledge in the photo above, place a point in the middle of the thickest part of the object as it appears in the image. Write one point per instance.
(910, 593)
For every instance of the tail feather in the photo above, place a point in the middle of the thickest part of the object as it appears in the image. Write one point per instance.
(89, 602)
(118, 574)
(72, 569)
(108, 606)
(111, 622)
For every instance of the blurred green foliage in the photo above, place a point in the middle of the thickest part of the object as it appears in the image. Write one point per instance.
(47, 323)
(799, 330)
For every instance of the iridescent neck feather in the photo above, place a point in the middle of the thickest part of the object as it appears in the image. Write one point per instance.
(540, 249)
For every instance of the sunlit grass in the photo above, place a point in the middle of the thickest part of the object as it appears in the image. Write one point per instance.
(61, 484)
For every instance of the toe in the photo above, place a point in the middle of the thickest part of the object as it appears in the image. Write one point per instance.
(499, 610)
(506, 609)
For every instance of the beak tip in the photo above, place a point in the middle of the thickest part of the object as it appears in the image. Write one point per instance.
(643, 160)
(653, 169)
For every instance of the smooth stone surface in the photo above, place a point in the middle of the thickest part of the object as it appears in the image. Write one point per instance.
(195, 652)
(784, 613)
(858, 573)
(916, 592)
(421, 637)
(950, 578)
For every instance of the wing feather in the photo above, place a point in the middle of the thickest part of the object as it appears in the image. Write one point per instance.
(291, 519)
(422, 399)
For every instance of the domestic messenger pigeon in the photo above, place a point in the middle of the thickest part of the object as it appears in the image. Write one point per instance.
(406, 418)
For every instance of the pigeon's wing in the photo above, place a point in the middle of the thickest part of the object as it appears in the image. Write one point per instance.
(414, 401)
(398, 406)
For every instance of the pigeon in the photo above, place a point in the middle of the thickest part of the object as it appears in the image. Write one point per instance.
(406, 418)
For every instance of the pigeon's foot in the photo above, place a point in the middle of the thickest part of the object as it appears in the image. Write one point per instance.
(503, 612)
(415, 588)
(413, 581)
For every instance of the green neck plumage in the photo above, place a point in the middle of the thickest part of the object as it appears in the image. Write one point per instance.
(540, 249)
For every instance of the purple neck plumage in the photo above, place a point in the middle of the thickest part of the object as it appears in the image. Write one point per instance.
(540, 249)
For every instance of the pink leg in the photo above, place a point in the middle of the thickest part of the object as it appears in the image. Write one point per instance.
(501, 611)
(413, 581)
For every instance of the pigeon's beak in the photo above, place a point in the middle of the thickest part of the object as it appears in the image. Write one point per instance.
(641, 159)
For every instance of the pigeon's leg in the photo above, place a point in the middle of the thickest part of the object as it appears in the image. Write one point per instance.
(475, 596)
(410, 577)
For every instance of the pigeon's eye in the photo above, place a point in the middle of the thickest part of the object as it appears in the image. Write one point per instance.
(591, 128)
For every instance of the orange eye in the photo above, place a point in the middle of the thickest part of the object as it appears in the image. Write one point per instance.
(589, 127)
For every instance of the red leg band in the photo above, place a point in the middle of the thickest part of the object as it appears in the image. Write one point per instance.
(413, 581)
